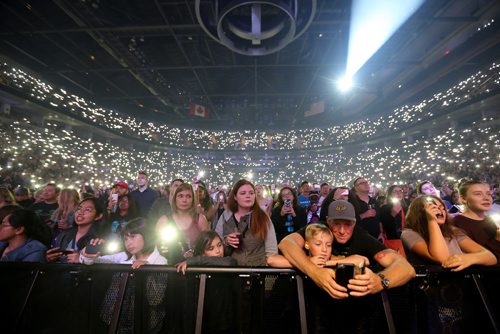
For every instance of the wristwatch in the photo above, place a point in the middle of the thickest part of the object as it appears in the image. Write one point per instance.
(384, 280)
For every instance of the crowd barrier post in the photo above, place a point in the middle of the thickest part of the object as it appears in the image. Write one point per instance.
(486, 302)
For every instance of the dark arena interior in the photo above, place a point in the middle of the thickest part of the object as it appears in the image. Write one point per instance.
(136, 104)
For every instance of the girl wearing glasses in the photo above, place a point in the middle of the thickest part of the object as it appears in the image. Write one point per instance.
(23, 237)
(70, 242)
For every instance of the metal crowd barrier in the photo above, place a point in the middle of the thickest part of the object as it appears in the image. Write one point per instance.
(57, 298)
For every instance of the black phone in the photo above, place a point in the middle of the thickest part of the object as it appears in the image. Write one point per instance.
(345, 271)
(93, 249)
(454, 209)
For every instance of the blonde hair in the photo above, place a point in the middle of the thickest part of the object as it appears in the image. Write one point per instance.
(68, 201)
(7, 196)
(313, 230)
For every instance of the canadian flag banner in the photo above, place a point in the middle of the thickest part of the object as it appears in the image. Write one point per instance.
(315, 108)
(198, 110)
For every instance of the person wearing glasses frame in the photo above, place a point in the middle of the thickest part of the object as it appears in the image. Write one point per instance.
(23, 237)
(366, 207)
(69, 243)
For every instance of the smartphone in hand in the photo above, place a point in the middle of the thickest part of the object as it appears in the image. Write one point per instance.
(93, 249)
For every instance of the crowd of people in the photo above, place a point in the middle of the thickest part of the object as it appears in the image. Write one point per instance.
(143, 226)
(72, 219)
(67, 198)
(475, 86)
(32, 155)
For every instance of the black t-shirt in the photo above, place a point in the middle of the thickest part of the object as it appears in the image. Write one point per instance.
(361, 243)
(342, 316)
(370, 224)
(26, 203)
(44, 210)
(393, 226)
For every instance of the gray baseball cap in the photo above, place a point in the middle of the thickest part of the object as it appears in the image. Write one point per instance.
(341, 210)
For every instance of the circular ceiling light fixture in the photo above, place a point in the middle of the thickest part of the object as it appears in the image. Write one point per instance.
(255, 28)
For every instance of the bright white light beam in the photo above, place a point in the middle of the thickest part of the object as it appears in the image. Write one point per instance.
(372, 24)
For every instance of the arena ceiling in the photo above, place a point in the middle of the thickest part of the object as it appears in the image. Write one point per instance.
(153, 58)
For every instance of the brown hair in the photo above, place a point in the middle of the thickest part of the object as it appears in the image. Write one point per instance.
(464, 187)
(416, 218)
(260, 219)
(420, 185)
(182, 187)
(280, 202)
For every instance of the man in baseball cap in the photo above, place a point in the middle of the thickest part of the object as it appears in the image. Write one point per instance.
(341, 219)
(120, 187)
(351, 244)
(354, 245)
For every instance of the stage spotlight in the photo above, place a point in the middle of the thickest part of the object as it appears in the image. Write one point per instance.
(344, 83)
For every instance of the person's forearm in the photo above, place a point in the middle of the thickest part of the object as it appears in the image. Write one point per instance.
(399, 272)
(438, 249)
(485, 257)
(278, 261)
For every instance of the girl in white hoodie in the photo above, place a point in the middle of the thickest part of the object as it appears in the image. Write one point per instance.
(139, 243)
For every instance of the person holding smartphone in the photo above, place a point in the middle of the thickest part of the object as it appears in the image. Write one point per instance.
(356, 246)
(287, 216)
(119, 189)
(70, 242)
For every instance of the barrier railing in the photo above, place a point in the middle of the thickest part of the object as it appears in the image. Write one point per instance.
(58, 298)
